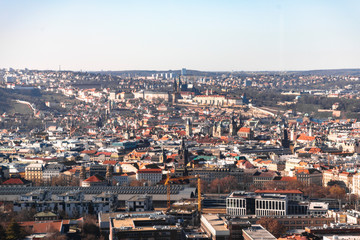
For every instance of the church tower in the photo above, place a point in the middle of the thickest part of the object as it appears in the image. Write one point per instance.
(232, 127)
(219, 130)
(127, 134)
(240, 121)
(162, 158)
(177, 89)
(214, 130)
(310, 131)
(285, 142)
(188, 128)
(292, 134)
(184, 153)
(175, 85)
(109, 173)
(82, 174)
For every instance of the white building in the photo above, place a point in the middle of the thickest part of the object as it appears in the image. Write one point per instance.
(318, 208)
(150, 96)
(51, 171)
(151, 175)
(271, 205)
(73, 203)
(139, 203)
(245, 203)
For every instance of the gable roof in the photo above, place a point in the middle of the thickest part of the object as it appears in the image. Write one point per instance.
(95, 178)
(43, 227)
(244, 130)
(14, 181)
(304, 137)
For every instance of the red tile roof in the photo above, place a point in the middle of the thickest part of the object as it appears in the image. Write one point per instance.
(109, 162)
(89, 151)
(304, 137)
(245, 130)
(150, 170)
(103, 153)
(13, 181)
(42, 227)
(288, 179)
(279, 191)
(94, 178)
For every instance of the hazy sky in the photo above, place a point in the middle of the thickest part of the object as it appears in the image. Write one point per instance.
(195, 34)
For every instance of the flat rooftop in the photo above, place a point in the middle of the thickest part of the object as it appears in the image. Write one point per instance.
(215, 224)
(258, 232)
(129, 224)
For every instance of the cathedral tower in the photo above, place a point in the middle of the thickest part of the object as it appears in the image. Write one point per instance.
(188, 128)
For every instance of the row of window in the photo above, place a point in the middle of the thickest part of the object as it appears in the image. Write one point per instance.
(265, 204)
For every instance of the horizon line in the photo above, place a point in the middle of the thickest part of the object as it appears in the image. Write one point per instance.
(187, 69)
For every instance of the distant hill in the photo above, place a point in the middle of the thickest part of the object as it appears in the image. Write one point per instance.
(150, 72)
(355, 71)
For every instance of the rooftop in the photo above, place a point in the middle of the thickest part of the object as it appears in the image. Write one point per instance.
(257, 232)
(215, 224)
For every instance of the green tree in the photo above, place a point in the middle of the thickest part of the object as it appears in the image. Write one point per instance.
(14, 231)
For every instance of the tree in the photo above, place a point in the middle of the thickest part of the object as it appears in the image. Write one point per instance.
(58, 181)
(228, 184)
(269, 185)
(14, 231)
(294, 185)
(137, 183)
(204, 186)
(90, 230)
(224, 185)
(215, 186)
(26, 214)
(54, 234)
(91, 209)
(272, 225)
(337, 192)
(2, 233)
(74, 181)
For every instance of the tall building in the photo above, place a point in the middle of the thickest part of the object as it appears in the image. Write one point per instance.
(183, 71)
(285, 142)
(34, 172)
(109, 173)
(219, 130)
(162, 158)
(184, 154)
(188, 128)
(82, 174)
(177, 88)
(232, 127)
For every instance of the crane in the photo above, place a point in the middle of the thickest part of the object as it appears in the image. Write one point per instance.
(167, 183)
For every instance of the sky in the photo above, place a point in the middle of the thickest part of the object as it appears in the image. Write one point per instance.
(209, 35)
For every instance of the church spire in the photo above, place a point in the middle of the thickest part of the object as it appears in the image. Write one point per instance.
(232, 127)
(188, 128)
(175, 86)
(179, 84)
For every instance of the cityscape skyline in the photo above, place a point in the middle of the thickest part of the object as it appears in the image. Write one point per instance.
(211, 36)
(180, 120)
